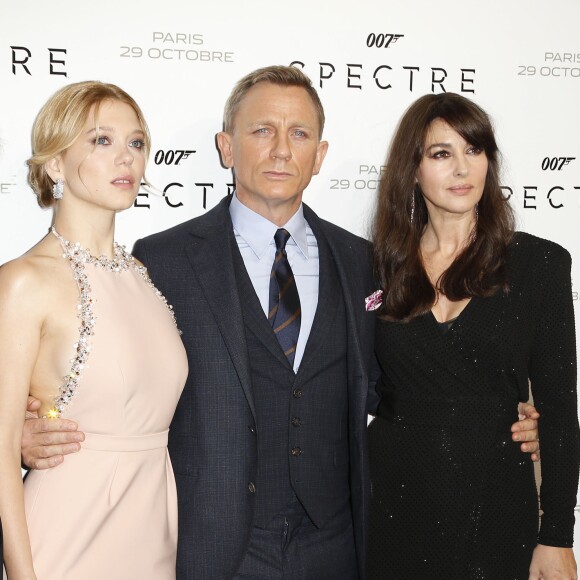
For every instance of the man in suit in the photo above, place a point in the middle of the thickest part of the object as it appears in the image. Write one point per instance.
(268, 445)
(268, 442)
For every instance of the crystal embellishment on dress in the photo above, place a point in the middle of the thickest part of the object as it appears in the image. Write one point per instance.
(78, 257)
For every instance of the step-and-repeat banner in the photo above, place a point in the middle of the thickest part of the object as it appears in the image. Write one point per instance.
(368, 59)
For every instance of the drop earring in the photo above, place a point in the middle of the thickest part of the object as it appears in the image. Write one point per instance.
(58, 188)
(474, 232)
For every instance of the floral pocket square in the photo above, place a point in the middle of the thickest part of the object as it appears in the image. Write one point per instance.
(373, 301)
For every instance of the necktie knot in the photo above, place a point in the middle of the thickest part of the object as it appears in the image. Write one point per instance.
(281, 237)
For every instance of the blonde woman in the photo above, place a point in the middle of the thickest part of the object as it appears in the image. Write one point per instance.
(83, 330)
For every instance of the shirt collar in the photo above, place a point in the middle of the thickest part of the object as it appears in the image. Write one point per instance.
(258, 232)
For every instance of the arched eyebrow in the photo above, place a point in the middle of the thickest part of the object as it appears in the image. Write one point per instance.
(112, 130)
(442, 145)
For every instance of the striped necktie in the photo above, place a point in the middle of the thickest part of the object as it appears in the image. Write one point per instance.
(284, 306)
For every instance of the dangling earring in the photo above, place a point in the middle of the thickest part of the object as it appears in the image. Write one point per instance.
(58, 188)
(412, 205)
(474, 233)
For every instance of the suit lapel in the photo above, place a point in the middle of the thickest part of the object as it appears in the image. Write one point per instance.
(211, 254)
(328, 285)
(339, 254)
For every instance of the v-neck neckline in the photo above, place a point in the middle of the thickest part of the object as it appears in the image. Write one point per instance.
(453, 320)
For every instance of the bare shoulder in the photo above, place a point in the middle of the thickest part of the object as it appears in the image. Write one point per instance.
(19, 275)
(35, 274)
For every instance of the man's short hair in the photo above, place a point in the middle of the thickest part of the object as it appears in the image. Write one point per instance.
(289, 76)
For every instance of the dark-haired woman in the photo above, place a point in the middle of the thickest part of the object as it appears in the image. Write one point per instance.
(471, 314)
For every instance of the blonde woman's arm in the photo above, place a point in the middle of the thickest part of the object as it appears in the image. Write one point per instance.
(21, 321)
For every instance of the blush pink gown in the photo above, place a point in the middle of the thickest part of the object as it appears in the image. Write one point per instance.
(109, 512)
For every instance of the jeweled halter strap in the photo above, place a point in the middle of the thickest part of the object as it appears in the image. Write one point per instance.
(78, 257)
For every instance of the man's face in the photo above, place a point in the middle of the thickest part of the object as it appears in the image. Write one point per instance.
(274, 148)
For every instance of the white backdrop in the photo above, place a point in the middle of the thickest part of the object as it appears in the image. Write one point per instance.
(368, 59)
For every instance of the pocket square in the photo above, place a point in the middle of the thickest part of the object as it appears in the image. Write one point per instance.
(373, 301)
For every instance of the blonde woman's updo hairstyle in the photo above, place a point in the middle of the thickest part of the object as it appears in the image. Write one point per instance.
(60, 122)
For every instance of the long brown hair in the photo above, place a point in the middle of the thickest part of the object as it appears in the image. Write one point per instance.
(479, 270)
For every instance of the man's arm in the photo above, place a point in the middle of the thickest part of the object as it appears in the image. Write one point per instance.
(45, 442)
(526, 430)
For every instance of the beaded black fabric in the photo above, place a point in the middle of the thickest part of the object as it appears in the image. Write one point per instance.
(453, 497)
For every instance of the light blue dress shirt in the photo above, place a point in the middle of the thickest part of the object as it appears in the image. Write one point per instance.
(255, 239)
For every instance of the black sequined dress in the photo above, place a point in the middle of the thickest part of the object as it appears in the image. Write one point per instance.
(453, 497)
